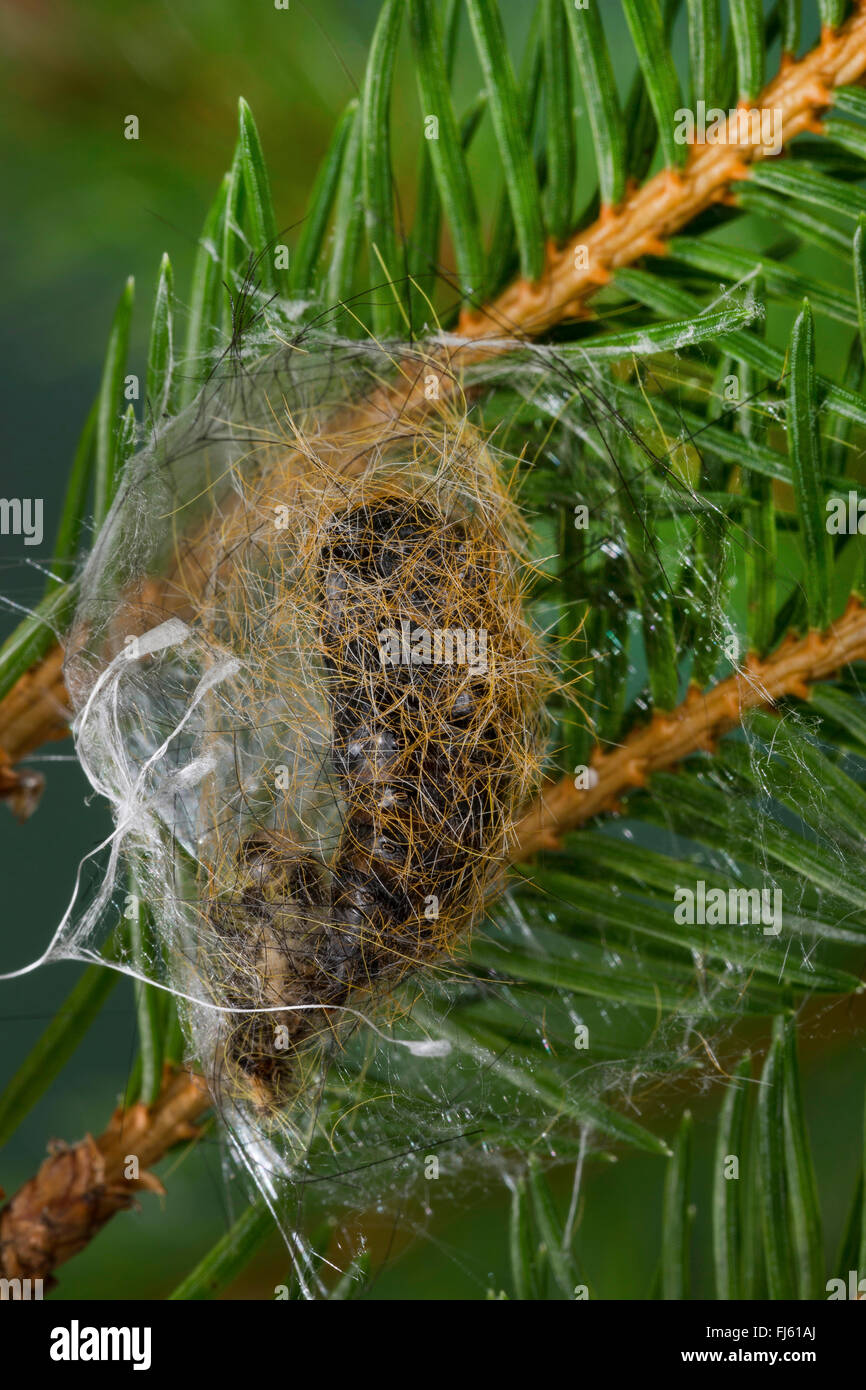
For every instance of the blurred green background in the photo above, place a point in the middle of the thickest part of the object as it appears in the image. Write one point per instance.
(84, 208)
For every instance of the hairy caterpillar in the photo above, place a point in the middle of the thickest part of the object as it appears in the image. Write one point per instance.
(424, 754)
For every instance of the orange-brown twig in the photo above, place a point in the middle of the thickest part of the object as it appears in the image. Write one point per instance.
(54, 1215)
(696, 724)
(667, 202)
(36, 708)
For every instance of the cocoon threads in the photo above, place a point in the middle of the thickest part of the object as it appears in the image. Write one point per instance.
(368, 714)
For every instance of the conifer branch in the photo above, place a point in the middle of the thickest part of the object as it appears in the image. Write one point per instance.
(79, 1188)
(666, 203)
(695, 725)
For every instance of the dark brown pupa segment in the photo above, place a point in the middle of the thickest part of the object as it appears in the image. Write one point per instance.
(431, 756)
